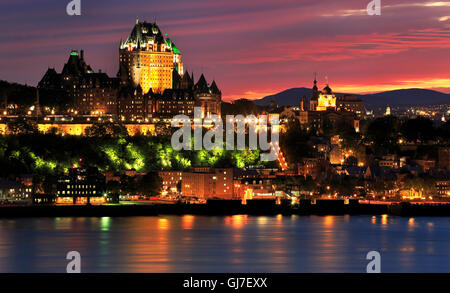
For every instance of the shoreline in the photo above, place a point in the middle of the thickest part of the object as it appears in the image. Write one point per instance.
(227, 207)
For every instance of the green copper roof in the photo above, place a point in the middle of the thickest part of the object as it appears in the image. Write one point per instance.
(171, 45)
(175, 49)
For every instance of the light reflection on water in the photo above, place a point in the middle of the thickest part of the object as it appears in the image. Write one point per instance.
(238, 243)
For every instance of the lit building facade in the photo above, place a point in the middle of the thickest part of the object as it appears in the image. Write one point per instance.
(326, 100)
(206, 183)
(81, 186)
(170, 180)
(174, 102)
(443, 188)
(148, 59)
(310, 167)
(254, 188)
(79, 129)
(12, 191)
(133, 104)
(136, 105)
(324, 107)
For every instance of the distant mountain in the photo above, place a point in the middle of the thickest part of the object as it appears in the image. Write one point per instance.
(292, 97)
(406, 97)
(288, 97)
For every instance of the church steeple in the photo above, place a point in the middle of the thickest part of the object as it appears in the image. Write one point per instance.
(315, 89)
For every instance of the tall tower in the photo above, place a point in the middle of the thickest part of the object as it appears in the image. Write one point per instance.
(315, 95)
(148, 59)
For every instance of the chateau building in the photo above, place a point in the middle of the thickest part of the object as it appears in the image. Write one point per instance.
(208, 97)
(173, 102)
(133, 104)
(90, 93)
(150, 83)
(148, 59)
(153, 81)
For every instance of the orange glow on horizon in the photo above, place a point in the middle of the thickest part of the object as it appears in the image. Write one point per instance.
(438, 84)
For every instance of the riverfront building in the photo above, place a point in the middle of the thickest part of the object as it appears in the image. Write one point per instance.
(81, 186)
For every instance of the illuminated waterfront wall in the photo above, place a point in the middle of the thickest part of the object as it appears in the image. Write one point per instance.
(79, 129)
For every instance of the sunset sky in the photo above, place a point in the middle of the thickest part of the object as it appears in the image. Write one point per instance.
(252, 48)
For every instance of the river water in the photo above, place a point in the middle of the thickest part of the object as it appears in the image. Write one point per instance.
(228, 244)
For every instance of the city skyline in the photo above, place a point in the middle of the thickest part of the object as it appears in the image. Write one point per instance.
(289, 41)
(254, 141)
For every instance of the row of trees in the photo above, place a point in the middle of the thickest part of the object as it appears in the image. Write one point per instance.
(349, 186)
(385, 134)
(108, 146)
(380, 136)
(148, 185)
(25, 96)
(36, 153)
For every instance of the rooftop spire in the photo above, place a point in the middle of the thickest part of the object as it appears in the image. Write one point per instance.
(315, 81)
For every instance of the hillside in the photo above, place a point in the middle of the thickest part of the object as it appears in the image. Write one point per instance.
(396, 97)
